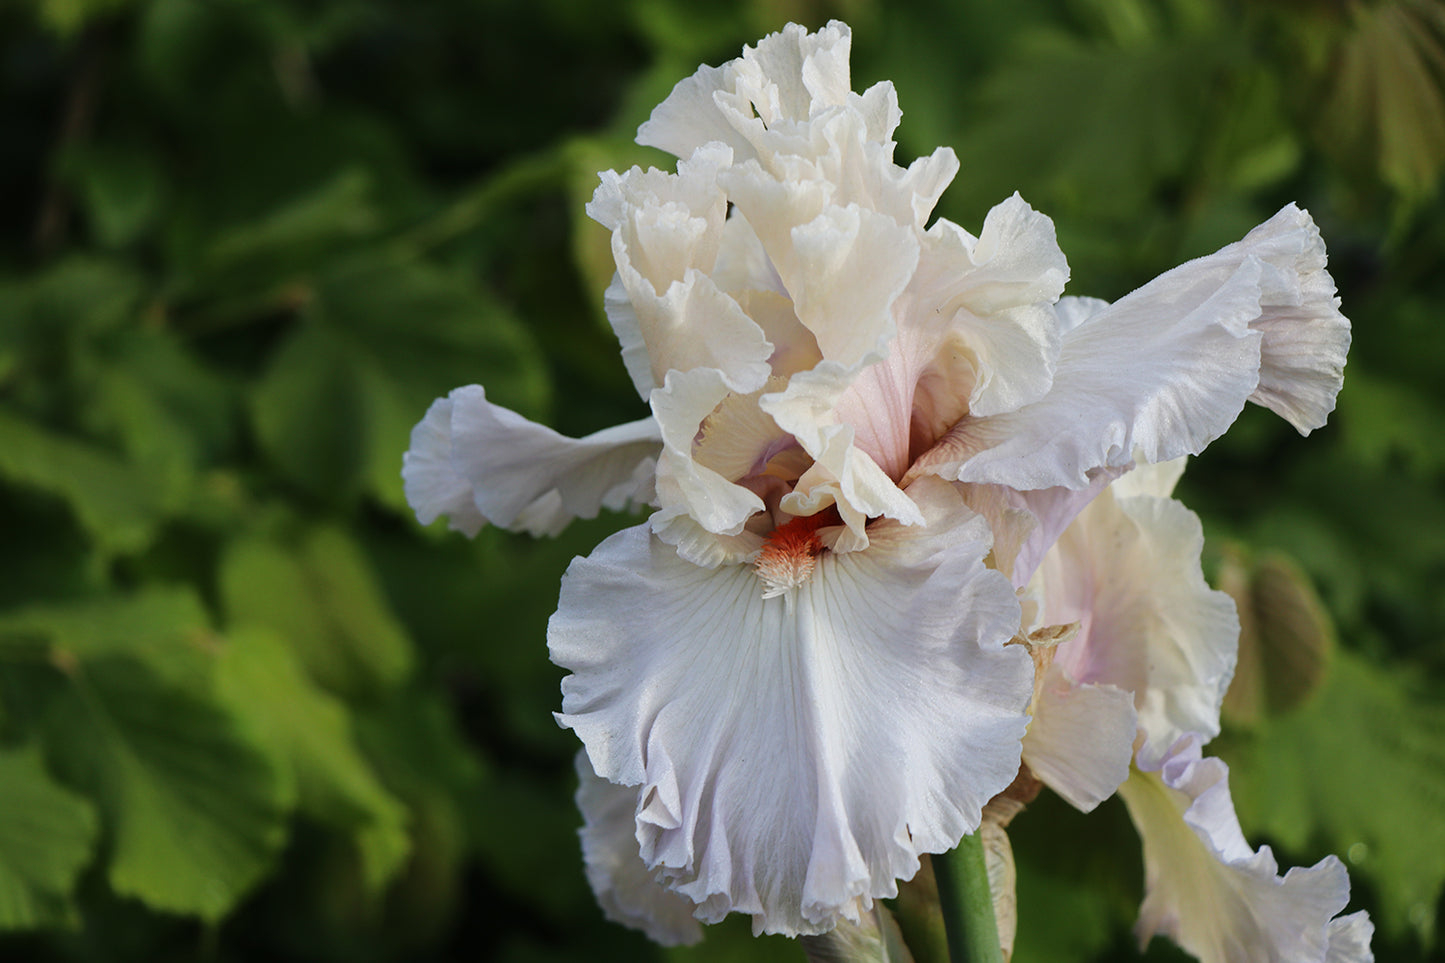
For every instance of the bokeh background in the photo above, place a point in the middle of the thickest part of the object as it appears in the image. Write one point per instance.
(250, 710)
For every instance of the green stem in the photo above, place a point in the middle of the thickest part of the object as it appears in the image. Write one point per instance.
(967, 906)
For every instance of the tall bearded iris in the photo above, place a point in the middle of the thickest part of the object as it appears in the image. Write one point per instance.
(866, 432)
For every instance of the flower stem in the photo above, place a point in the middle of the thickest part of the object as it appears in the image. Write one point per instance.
(967, 905)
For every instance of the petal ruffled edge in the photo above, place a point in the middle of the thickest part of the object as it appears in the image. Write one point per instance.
(1128, 570)
(431, 481)
(1166, 369)
(628, 892)
(1210, 892)
(741, 719)
(478, 462)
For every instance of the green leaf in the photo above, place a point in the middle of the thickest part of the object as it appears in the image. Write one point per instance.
(381, 341)
(166, 628)
(47, 836)
(1079, 879)
(69, 16)
(294, 235)
(120, 505)
(1361, 769)
(122, 188)
(1053, 111)
(169, 413)
(311, 414)
(309, 732)
(79, 294)
(1388, 94)
(414, 744)
(194, 813)
(321, 597)
(1388, 423)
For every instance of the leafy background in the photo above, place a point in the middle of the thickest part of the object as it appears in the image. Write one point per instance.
(250, 710)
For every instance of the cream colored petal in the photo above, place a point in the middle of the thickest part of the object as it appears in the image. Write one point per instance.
(1166, 369)
(669, 314)
(1081, 739)
(853, 264)
(809, 70)
(1145, 479)
(842, 472)
(842, 266)
(691, 117)
(1209, 891)
(1128, 571)
(1027, 524)
(783, 81)
(669, 222)
(685, 486)
(992, 297)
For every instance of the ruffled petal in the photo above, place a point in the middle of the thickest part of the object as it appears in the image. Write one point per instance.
(975, 329)
(1156, 480)
(782, 81)
(1207, 889)
(1130, 377)
(1081, 739)
(1306, 338)
(1027, 524)
(1165, 370)
(842, 473)
(994, 294)
(518, 474)
(1128, 571)
(857, 263)
(795, 755)
(1054, 510)
(430, 478)
(692, 496)
(842, 265)
(628, 892)
(691, 117)
(1350, 939)
(668, 312)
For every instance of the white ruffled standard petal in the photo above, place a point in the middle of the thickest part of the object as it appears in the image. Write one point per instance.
(842, 474)
(795, 755)
(628, 892)
(1215, 896)
(700, 512)
(785, 79)
(479, 462)
(1128, 571)
(667, 311)
(991, 297)
(1166, 369)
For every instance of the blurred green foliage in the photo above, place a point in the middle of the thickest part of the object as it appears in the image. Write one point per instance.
(250, 710)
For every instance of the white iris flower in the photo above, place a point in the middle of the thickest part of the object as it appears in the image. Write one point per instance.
(867, 431)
